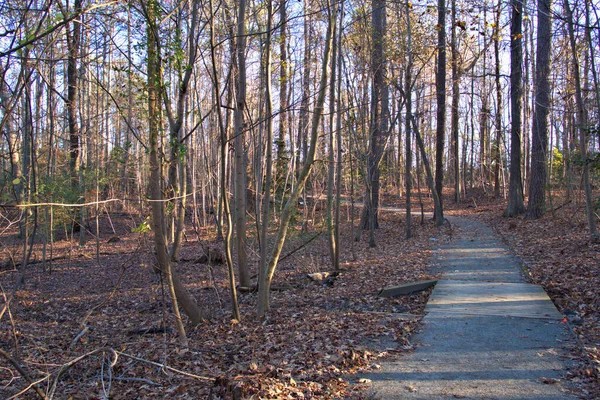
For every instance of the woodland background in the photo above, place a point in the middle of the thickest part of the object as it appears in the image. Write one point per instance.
(171, 171)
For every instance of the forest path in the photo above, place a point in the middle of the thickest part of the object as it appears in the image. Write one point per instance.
(487, 334)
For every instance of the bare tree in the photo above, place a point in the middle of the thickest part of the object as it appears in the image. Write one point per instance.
(266, 274)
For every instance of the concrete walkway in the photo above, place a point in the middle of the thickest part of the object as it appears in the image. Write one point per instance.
(487, 334)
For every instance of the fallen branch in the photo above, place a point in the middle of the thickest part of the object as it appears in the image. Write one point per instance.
(301, 246)
(17, 286)
(69, 364)
(178, 371)
(562, 205)
(24, 374)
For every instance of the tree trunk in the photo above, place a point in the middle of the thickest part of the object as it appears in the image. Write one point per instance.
(291, 204)
(439, 220)
(515, 191)
(158, 205)
(582, 127)
(235, 311)
(264, 262)
(73, 36)
(240, 159)
(378, 125)
(539, 141)
(454, 109)
(440, 84)
(498, 120)
(331, 183)
(408, 101)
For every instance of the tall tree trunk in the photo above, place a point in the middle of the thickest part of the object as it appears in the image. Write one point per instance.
(408, 100)
(240, 158)
(301, 147)
(378, 126)
(498, 120)
(515, 190)
(73, 36)
(440, 84)
(264, 262)
(154, 127)
(235, 311)
(484, 114)
(454, 109)
(582, 127)
(333, 250)
(539, 141)
(283, 100)
(338, 129)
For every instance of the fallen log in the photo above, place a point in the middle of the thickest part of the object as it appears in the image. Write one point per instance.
(406, 289)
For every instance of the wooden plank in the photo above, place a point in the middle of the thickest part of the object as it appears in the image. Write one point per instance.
(406, 289)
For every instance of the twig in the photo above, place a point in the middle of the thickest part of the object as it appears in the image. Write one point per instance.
(201, 378)
(24, 374)
(17, 395)
(79, 336)
(144, 380)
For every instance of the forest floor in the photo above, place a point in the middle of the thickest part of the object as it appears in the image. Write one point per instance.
(87, 310)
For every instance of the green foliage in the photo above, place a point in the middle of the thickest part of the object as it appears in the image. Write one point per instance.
(557, 163)
(142, 228)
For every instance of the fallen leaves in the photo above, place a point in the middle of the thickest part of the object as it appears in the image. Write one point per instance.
(316, 336)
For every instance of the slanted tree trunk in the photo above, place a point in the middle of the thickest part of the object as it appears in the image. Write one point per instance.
(539, 140)
(439, 221)
(515, 191)
(266, 276)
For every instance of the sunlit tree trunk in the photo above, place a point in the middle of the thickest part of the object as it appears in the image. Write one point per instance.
(332, 145)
